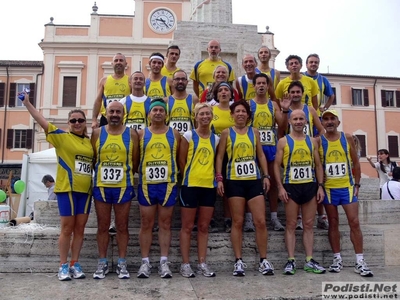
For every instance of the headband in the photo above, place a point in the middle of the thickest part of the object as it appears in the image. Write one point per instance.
(156, 56)
(225, 84)
(158, 103)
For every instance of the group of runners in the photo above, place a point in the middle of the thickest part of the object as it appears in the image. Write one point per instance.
(245, 139)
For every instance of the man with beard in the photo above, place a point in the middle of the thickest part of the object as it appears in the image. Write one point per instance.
(111, 88)
(157, 85)
(173, 54)
(265, 115)
(202, 73)
(181, 104)
(297, 152)
(264, 55)
(294, 64)
(116, 156)
(136, 105)
(339, 155)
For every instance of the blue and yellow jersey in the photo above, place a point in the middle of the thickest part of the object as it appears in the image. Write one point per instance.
(336, 161)
(136, 112)
(157, 89)
(298, 161)
(180, 113)
(308, 128)
(74, 161)
(242, 156)
(324, 88)
(203, 73)
(113, 166)
(246, 87)
(114, 90)
(167, 73)
(263, 118)
(222, 119)
(310, 89)
(199, 169)
(272, 74)
(158, 157)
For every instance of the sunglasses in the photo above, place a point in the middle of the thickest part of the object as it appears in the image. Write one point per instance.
(80, 121)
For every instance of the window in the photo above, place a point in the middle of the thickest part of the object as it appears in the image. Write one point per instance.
(363, 146)
(359, 97)
(388, 98)
(19, 138)
(326, 98)
(69, 91)
(2, 93)
(393, 142)
(15, 88)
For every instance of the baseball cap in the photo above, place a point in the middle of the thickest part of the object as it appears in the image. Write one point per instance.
(330, 111)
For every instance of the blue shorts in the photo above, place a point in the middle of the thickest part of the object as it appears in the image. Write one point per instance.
(270, 152)
(73, 203)
(340, 196)
(114, 195)
(164, 194)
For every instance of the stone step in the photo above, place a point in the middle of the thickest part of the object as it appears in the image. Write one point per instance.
(370, 212)
(34, 248)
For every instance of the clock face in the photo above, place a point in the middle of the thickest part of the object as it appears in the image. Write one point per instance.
(162, 20)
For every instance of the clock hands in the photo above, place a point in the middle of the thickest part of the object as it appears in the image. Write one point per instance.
(163, 21)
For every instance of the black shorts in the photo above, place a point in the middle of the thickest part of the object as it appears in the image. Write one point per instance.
(247, 189)
(301, 193)
(193, 197)
(103, 120)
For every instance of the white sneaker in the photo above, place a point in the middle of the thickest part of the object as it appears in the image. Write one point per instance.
(362, 269)
(249, 226)
(322, 223)
(276, 225)
(299, 224)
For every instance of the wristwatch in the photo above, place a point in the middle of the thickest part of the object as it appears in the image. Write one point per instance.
(267, 176)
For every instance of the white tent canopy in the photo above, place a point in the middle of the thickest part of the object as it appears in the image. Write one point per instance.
(34, 167)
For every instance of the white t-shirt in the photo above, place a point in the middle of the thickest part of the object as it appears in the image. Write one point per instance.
(394, 188)
(384, 177)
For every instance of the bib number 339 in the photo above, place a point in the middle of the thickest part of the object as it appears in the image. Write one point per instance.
(159, 174)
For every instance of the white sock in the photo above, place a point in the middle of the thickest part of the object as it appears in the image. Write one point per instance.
(359, 257)
(274, 215)
(163, 258)
(299, 216)
(337, 255)
(146, 259)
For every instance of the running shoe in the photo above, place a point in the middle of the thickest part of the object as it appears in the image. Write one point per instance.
(249, 226)
(102, 270)
(63, 273)
(336, 266)
(314, 267)
(144, 270)
(186, 271)
(266, 268)
(76, 271)
(276, 225)
(322, 223)
(228, 225)
(112, 229)
(290, 267)
(299, 224)
(238, 268)
(204, 270)
(163, 269)
(362, 269)
(122, 270)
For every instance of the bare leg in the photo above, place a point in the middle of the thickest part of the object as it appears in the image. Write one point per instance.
(237, 206)
(257, 208)
(147, 216)
(77, 238)
(103, 211)
(308, 210)
(188, 216)
(164, 232)
(205, 215)
(121, 223)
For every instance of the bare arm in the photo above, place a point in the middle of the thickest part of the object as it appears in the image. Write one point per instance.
(219, 158)
(135, 152)
(239, 90)
(178, 143)
(356, 163)
(329, 102)
(319, 172)
(93, 139)
(183, 151)
(35, 113)
(314, 102)
(97, 102)
(277, 170)
(170, 85)
(262, 161)
(316, 121)
(369, 158)
(196, 87)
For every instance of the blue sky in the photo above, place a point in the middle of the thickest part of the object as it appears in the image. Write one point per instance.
(351, 36)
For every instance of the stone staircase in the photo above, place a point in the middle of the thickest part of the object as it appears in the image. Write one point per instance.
(34, 247)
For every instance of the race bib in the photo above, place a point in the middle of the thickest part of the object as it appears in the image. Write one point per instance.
(112, 174)
(306, 129)
(181, 126)
(335, 170)
(245, 169)
(157, 174)
(136, 126)
(83, 165)
(267, 137)
(300, 173)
